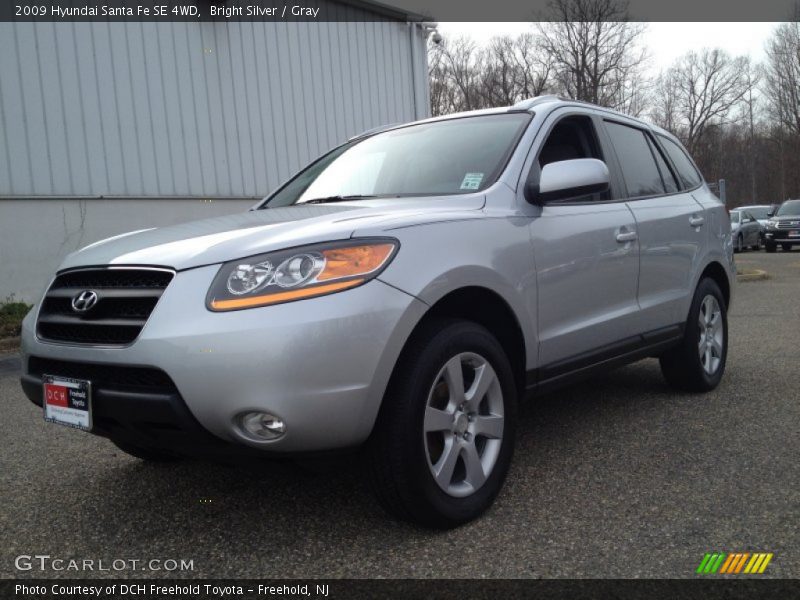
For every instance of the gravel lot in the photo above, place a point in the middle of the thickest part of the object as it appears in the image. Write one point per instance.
(617, 477)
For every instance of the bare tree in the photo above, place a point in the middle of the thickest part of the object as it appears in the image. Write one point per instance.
(534, 67)
(664, 110)
(700, 90)
(463, 76)
(740, 123)
(514, 69)
(595, 51)
(782, 76)
(454, 73)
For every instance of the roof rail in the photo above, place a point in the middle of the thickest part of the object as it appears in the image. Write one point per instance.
(531, 102)
(373, 131)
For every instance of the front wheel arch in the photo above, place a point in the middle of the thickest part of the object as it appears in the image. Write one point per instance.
(486, 308)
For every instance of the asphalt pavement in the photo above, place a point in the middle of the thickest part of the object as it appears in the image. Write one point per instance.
(616, 477)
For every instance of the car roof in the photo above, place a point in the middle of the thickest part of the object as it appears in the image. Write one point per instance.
(548, 101)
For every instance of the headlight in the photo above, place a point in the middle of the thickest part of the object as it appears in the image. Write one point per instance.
(299, 273)
(772, 224)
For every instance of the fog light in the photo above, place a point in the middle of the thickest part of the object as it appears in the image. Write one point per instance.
(261, 426)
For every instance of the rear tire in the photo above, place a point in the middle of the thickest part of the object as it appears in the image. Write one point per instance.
(444, 438)
(698, 362)
(757, 245)
(146, 454)
(770, 247)
(739, 244)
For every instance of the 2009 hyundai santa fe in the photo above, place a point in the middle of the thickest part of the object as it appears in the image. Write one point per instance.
(399, 294)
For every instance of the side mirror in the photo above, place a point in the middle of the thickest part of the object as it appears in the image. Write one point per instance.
(770, 214)
(568, 179)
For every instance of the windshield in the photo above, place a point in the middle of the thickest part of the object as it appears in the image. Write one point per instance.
(759, 212)
(455, 156)
(790, 207)
(735, 217)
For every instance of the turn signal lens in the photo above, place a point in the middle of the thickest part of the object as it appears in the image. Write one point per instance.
(353, 261)
(300, 273)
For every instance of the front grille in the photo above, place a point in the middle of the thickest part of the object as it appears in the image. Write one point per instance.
(110, 377)
(788, 224)
(125, 299)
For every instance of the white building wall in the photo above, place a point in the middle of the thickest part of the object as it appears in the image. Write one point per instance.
(179, 113)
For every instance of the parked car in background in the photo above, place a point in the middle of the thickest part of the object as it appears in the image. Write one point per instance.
(761, 213)
(401, 293)
(746, 231)
(784, 227)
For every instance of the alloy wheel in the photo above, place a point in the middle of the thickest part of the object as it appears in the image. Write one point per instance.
(463, 424)
(712, 334)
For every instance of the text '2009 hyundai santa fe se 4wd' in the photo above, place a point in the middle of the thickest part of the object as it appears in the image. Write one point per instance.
(398, 295)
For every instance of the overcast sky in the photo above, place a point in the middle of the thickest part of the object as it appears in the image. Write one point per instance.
(665, 41)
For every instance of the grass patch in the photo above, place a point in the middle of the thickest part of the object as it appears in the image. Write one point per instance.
(751, 275)
(11, 315)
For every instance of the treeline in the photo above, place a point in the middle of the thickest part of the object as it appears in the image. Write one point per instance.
(740, 121)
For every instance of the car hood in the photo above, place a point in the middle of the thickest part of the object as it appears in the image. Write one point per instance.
(220, 239)
(787, 218)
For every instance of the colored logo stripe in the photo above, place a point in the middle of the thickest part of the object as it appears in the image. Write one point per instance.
(735, 562)
(711, 562)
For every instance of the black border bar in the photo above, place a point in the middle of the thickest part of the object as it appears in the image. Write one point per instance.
(706, 588)
(368, 10)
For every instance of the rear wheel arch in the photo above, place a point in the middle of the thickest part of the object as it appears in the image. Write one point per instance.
(716, 272)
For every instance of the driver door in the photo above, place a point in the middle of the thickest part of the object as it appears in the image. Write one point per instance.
(587, 262)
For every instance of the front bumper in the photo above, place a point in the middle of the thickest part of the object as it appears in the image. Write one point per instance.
(320, 364)
(781, 236)
(152, 416)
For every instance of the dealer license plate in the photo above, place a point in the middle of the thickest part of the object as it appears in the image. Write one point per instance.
(67, 401)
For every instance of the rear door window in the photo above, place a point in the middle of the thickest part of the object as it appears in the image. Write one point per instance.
(637, 162)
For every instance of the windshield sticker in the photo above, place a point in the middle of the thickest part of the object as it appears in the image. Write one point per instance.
(472, 181)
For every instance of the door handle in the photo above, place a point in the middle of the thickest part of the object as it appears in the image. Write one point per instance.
(626, 236)
(696, 221)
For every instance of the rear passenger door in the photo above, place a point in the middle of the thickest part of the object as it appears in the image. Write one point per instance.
(669, 223)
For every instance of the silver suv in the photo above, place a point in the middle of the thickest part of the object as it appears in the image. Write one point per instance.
(398, 295)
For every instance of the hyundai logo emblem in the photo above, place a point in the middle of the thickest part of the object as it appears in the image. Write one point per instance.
(84, 301)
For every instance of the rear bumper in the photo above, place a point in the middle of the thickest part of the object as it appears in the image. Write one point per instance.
(321, 365)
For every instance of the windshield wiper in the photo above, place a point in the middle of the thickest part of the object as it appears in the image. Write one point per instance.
(328, 199)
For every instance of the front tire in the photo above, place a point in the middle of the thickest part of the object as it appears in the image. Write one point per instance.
(444, 439)
(786, 247)
(739, 244)
(770, 247)
(757, 245)
(698, 362)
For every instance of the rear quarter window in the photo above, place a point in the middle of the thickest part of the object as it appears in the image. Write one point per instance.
(686, 170)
